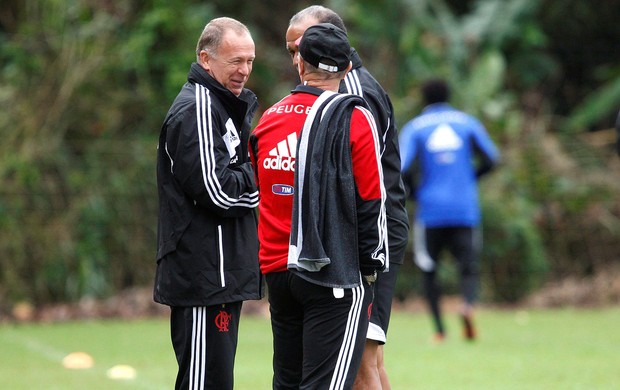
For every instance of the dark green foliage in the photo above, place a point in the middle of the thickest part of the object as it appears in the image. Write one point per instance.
(85, 84)
(514, 260)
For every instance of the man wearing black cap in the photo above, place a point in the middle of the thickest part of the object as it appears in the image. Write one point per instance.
(322, 227)
(359, 81)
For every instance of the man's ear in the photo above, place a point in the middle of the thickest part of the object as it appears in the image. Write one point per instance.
(301, 68)
(204, 59)
(349, 67)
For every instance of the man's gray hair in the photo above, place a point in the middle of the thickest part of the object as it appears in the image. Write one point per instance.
(321, 14)
(212, 34)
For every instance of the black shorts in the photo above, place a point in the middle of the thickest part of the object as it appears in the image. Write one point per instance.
(382, 304)
(463, 242)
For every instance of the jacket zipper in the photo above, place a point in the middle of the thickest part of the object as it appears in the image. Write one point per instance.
(221, 255)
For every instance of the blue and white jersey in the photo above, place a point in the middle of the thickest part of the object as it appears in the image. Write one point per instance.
(441, 144)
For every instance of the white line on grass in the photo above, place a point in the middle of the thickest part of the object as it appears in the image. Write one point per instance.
(55, 355)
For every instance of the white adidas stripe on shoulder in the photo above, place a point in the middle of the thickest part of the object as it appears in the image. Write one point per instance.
(353, 84)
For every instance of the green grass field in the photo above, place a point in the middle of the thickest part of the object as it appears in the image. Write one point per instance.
(547, 349)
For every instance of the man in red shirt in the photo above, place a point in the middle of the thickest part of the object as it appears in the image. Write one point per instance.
(322, 230)
(359, 81)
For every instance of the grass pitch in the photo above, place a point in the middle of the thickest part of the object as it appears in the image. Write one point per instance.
(542, 349)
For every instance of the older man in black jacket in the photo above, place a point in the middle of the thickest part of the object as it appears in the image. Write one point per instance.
(207, 241)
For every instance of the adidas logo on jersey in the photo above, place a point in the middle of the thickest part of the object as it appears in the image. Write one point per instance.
(282, 157)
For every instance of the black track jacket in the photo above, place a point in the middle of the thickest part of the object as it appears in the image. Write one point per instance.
(360, 82)
(207, 244)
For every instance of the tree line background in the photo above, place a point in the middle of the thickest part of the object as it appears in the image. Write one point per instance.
(85, 85)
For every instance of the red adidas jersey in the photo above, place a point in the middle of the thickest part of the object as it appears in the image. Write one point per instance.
(273, 145)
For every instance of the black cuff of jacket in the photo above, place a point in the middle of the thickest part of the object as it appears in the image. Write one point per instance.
(366, 271)
(369, 274)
